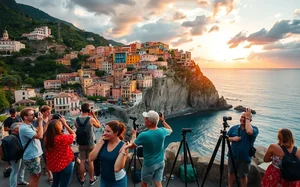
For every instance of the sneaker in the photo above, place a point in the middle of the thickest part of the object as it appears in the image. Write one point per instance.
(23, 183)
(82, 183)
(94, 181)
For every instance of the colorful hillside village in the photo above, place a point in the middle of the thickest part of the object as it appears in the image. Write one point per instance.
(127, 71)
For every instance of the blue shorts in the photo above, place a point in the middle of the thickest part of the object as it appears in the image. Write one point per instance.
(154, 172)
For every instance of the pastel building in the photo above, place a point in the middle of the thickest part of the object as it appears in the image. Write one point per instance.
(66, 104)
(87, 50)
(39, 33)
(100, 88)
(48, 97)
(8, 45)
(135, 47)
(24, 94)
(136, 97)
(156, 73)
(52, 84)
(107, 67)
(149, 58)
(127, 88)
(185, 58)
(116, 92)
(144, 80)
(68, 78)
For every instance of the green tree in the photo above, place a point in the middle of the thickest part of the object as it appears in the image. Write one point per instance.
(100, 73)
(30, 81)
(161, 59)
(75, 64)
(4, 103)
(9, 96)
(130, 68)
(10, 81)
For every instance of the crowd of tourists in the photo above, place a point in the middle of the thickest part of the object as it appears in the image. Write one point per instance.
(47, 136)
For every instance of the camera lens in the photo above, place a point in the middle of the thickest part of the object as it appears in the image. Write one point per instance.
(160, 114)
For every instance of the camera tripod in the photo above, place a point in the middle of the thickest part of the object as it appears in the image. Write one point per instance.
(222, 138)
(185, 151)
(134, 155)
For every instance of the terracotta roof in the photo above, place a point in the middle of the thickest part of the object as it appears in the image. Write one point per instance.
(52, 81)
(62, 95)
(26, 101)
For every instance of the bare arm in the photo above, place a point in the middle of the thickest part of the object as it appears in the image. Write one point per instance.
(269, 154)
(121, 159)
(248, 126)
(70, 131)
(6, 129)
(131, 144)
(165, 124)
(94, 120)
(40, 130)
(93, 155)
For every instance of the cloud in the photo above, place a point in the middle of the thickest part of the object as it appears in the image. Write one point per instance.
(297, 13)
(280, 30)
(290, 57)
(106, 7)
(161, 30)
(229, 5)
(203, 2)
(277, 15)
(181, 41)
(178, 15)
(123, 23)
(198, 26)
(279, 45)
(214, 28)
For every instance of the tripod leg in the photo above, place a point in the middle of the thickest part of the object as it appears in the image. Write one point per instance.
(222, 161)
(174, 162)
(233, 162)
(188, 149)
(212, 160)
(140, 161)
(185, 162)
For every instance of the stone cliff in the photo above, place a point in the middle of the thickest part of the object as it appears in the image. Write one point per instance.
(184, 89)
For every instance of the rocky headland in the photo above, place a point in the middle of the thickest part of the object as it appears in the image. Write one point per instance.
(183, 90)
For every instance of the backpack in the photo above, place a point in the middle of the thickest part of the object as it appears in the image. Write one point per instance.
(82, 132)
(11, 148)
(290, 165)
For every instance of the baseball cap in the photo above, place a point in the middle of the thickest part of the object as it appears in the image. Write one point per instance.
(152, 116)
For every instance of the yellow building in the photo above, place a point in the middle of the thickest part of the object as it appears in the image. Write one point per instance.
(133, 58)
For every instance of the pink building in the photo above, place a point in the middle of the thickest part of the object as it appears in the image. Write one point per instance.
(67, 78)
(52, 84)
(116, 92)
(99, 89)
(66, 103)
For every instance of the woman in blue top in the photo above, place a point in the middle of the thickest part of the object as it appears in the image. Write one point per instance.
(112, 155)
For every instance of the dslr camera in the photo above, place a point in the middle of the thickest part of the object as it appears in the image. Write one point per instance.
(56, 116)
(160, 114)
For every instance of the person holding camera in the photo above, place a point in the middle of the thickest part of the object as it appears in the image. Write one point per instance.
(58, 152)
(85, 124)
(46, 112)
(242, 137)
(152, 141)
(31, 156)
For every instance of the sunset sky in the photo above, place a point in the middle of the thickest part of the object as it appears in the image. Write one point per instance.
(219, 33)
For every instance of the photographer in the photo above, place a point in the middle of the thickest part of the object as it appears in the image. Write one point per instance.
(152, 141)
(85, 124)
(242, 137)
(46, 112)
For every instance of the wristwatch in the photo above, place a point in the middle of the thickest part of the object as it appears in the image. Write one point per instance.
(247, 118)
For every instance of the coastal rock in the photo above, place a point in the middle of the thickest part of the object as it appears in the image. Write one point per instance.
(181, 89)
(241, 108)
(259, 155)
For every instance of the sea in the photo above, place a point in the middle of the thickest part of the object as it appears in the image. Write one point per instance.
(273, 93)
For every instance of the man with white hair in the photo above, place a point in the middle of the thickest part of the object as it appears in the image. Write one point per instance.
(152, 141)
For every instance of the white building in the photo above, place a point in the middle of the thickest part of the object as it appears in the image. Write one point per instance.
(136, 97)
(156, 73)
(107, 66)
(144, 80)
(66, 104)
(52, 84)
(24, 94)
(39, 33)
(149, 58)
(8, 45)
